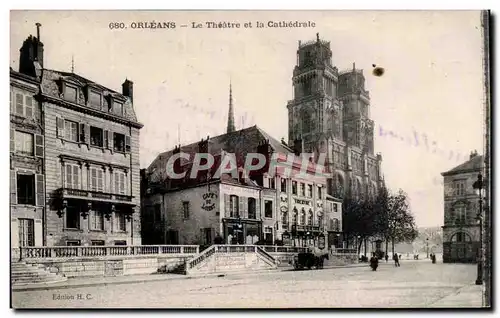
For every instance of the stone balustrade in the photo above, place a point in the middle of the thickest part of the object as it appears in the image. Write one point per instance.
(57, 252)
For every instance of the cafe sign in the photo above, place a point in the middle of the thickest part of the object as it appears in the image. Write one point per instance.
(209, 200)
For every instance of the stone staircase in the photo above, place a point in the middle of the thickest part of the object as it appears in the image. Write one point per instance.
(24, 274)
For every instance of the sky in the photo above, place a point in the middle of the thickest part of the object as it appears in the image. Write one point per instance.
(432, 85)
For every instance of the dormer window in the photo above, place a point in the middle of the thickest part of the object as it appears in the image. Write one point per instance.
(70, 93)
(117, 108)
(95, 99)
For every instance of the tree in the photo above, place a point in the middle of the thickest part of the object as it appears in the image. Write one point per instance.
(400, 222)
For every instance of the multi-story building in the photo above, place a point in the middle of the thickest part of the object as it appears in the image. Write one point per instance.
(266, 205)
(27, 194)
(84, 141)
(330, 113)
(461, 237)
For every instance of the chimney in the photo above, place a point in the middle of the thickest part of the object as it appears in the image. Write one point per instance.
(128, 89)
(473, 154)
(31, 54)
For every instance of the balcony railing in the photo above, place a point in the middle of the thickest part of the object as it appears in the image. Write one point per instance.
(94, 195)
(307, 228)
(56, 252)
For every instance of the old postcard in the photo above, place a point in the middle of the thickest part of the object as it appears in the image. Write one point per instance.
(249, 159)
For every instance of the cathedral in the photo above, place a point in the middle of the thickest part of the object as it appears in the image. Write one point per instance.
(330, 114)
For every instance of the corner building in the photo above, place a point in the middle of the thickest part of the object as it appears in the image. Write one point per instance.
(330, 114)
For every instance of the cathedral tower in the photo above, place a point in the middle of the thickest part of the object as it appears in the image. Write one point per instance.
(230, 115)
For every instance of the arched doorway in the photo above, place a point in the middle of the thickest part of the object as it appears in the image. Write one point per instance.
(461, 247)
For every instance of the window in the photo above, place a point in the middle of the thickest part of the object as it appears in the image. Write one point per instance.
(26, 232)
(120, 182)
(24, 105)
(294, 187)
(97, 220)
(295, 216)
(95, 99)
(310, 218)
(303, 189)
(70, 93)
(336, 225)
(120, 224)
(320, 222)
(309, 190)
(96, 179)
(320, 193)
(96, 137)
(460, 214)
(26, 189)
(73, 243)
(119, 142)
(284, 218)
(157, 213)
(185, 209)
(252, 213)
(118, 108)
(335, 208)
(24, 143)
(72, 217)
(233, 206)
(272, 183)
(268, 209)
(303, 217)
(97, 243)
(120, 242)
(459, 188)
(71, 130)
(72, 176)
(283, 185)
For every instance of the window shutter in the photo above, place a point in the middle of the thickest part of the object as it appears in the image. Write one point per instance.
(226, 205)
(117, 181)
(13, 187)
(81, 134)
(76, 179)
(28, 102)
(127, 143)
(12, 110)
(39, 145)
(40, 193)
(106, 139)
(60, 127)
(257, 209)
(12, 140)
(244, 204)
(87, 134)
(100, 185)
(37, 111)
(241, 206)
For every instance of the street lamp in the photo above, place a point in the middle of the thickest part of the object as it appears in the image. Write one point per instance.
(478, 187)
(427, 242)
(358, 246)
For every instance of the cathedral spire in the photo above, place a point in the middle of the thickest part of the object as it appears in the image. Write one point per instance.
(230, 116)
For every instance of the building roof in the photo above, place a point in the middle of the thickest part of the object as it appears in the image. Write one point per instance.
(473, 164)
(49, 86)
(240, 142)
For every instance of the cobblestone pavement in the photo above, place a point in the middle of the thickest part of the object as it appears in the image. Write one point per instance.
(414, 284)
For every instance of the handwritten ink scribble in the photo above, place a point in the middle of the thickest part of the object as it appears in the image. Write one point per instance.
(377, 70)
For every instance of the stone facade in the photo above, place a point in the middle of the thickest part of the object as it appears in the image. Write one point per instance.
(461, 236)
(330, 114)
(27, 173)
(80, 176)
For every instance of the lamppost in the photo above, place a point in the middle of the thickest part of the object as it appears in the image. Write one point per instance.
(427, 244)
(358, 246)
(478, 187)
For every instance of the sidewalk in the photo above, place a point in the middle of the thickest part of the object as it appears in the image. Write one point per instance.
(469, 296)
(117, 280)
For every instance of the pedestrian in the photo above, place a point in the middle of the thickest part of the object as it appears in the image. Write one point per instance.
(374, 262)
(396, 260)
(386, 257)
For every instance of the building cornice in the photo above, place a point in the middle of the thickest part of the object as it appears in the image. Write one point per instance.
(23, 77)
(86, 110)
(100, 163)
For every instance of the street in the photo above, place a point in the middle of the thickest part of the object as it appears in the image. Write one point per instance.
(414, 284)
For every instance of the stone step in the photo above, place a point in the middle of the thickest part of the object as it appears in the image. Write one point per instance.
(27, 266)
(27, 281)
(28, 270)
(31, 274)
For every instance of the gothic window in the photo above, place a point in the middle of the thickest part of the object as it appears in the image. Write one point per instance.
(460, 237)
(358, 187)
(307, 86)
(320, 221)
(284, 217)
(306, 122)
(295, 216)
(310, 218)
(340, 186)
